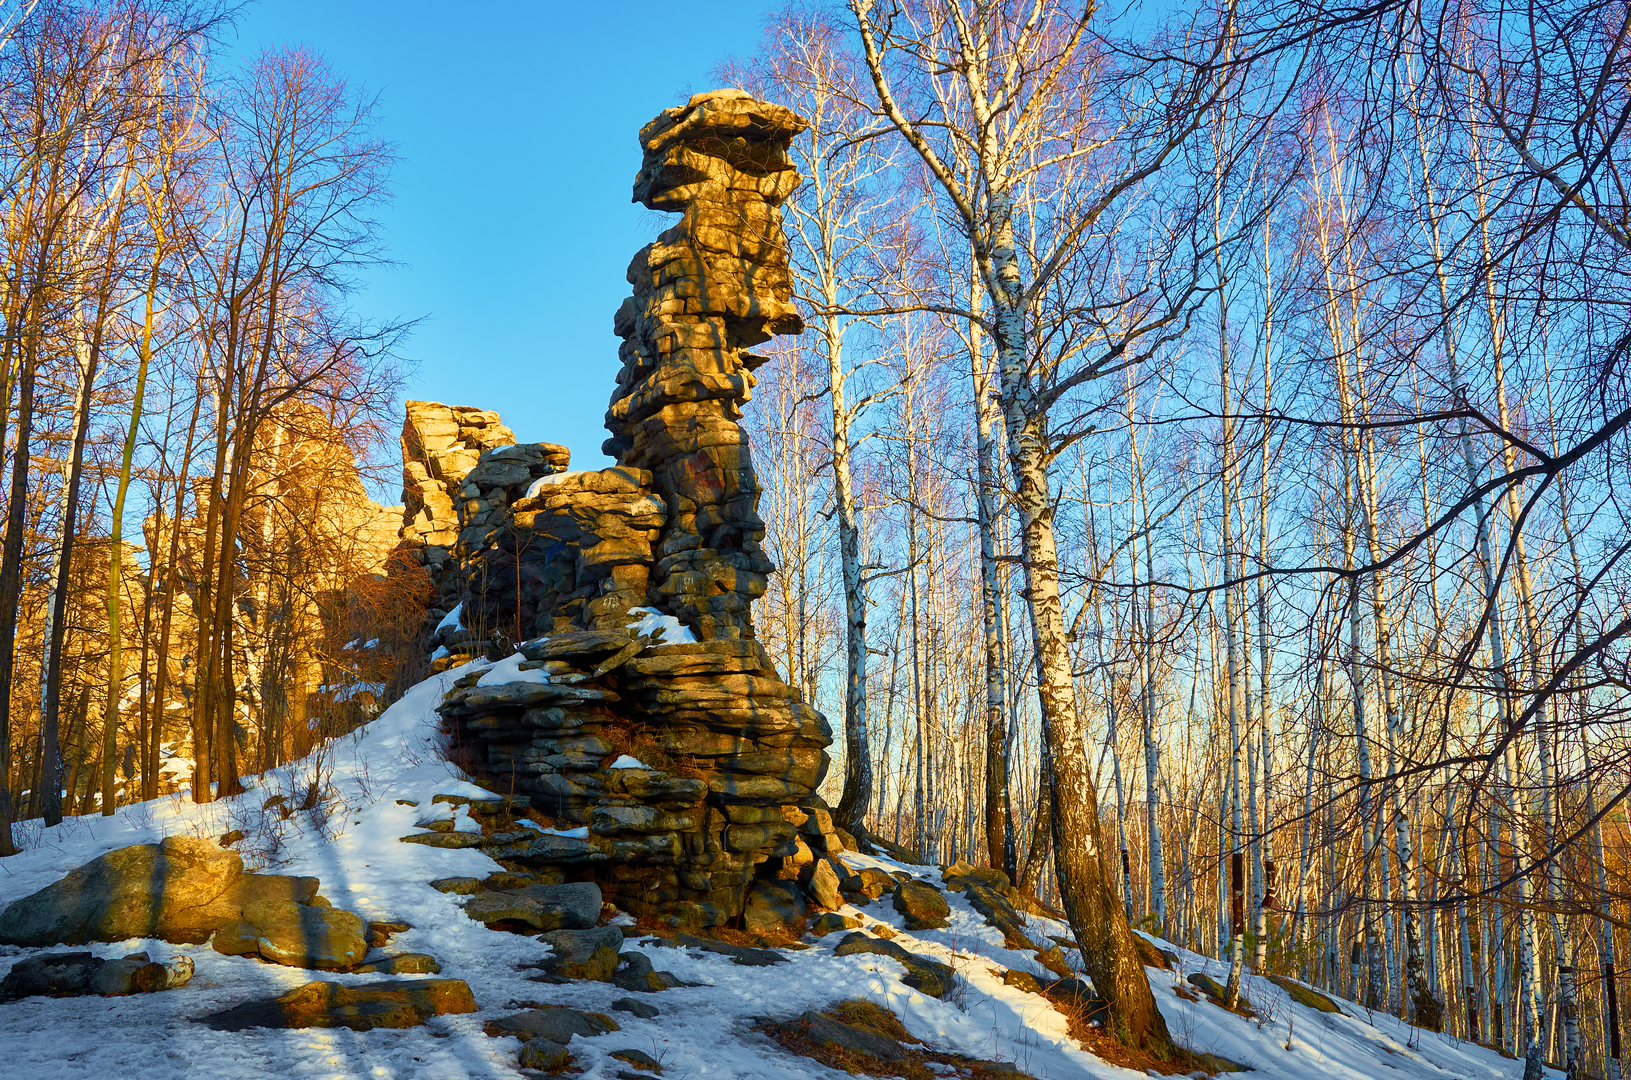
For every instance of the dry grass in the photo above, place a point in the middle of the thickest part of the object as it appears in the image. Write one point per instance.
(628, 737)
(874, 1018)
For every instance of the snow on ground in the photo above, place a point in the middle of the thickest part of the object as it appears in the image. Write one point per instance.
(377, 782)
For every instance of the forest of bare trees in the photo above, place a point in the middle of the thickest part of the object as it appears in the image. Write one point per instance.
(186, 540)
(1198, 487)
(1197, 491)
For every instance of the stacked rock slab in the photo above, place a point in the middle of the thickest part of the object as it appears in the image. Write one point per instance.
(584, 544)
(712, 286)
(689, 760)
(683, 761)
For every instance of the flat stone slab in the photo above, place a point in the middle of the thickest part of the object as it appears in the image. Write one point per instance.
(545, 847)
(741, 955)
(555, 1024)
(456, 840)
(412, 963)
(360, 1007)
(330, 939)
(573, 906)
(929, 976)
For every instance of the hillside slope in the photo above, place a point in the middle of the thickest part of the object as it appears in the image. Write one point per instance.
(375, 784)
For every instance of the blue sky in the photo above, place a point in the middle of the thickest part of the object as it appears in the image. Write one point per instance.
(515, 124)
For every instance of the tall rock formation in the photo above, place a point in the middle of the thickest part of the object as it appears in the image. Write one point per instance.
(711, 287)
(665, 730)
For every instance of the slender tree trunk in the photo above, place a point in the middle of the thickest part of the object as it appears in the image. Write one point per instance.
(11, 585)
(857, 792)
(52, 689)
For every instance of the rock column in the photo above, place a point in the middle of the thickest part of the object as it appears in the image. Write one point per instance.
(711, 287)
(440, 445)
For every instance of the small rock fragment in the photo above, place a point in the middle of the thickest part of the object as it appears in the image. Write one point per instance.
(639, 1059)
(584, 954)
(1022, 980)
(831, 922)
(637, 1007)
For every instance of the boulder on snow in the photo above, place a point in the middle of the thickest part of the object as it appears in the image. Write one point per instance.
(635, 972)
(553, 1023)
(869, 883)
(573, 906)
(177, 890)
(832, 922)
(360, 1007)
(181, 889)
(930, 976)
(741, 955)
(295, 935)
(831, 1034)
(76, 973)
(639, 1059)
(1306, 996)
(636, 1007)
(584, 954)
(773, 907)
(820, 881)
(53, 975)
(1022, 980)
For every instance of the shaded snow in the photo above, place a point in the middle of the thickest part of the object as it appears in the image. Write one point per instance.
(450, 621)
(379, 781)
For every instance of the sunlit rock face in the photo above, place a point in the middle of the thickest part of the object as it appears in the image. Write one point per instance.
(642, 718)
(712, 286)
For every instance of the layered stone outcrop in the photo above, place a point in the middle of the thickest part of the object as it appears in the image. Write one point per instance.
(678, 766)
(712, 286)
(642, 716)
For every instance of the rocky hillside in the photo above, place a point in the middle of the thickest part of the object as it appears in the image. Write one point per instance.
(317, 943)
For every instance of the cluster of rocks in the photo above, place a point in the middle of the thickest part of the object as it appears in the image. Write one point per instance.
(862, 1037)
(440, 444)
(74, 974)
(188, 891)
(577, 552)
(685, 764)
